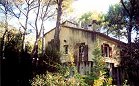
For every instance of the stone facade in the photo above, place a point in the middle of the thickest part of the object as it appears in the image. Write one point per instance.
(77, 45)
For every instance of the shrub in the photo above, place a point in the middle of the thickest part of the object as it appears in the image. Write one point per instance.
(57, 79)
(99, 74)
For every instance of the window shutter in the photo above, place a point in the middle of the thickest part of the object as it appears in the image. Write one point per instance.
(110, 51)
(80, 54)
(75, 56)
(102, 50)
(86, 53)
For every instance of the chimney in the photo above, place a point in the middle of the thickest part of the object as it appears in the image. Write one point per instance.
(94, 25)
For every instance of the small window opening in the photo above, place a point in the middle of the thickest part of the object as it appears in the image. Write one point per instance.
(66, 49)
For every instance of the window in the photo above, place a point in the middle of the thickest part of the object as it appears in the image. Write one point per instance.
(83, 52)
(106, 50)
(65, 49)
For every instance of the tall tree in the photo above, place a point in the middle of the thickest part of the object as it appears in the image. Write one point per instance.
(132, 9)
(21, 10)
(4, 6)
(37, 9)
(115, 20)
(61, 5)
(57, 30)
(129, 59)
(42, 13)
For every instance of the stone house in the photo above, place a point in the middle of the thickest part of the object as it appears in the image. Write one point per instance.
(80, 43)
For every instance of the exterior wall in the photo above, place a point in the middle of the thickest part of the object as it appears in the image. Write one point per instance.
(115, 50)
(49, 36)
(72, 37)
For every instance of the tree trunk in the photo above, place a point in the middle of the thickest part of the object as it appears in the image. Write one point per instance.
(130, 14)
(25, 28)
(35, 50)
(129, 31)
(57, 30)
(43, 51)
(23, 42)
(2, 45)
(118, 31)
(3, 37)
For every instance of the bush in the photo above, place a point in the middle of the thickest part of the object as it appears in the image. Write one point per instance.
(58, 79)
(64, 76)
(98, 76)
(130, 62)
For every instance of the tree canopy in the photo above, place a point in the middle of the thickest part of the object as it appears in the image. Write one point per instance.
(131, 7)
(115, 21)
(90, 18)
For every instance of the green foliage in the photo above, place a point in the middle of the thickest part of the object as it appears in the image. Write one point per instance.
(58, 79)
(125, 83)
(103, 82)
(122, 16)
(40, 46)
(59, 74)
(63, 76)
(28, 47)
(115, 15)
(115, 20)
(14, 39)
(99, 64)
(98, 76)
(88, 18)
(130, 62)
(14, 61)
(52, 55)
(131, 7)
(50, 61)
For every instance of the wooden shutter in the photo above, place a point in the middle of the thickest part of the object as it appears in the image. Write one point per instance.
(76, 53)
(86, 53)
(102, 50)
(80, 53)
(110, 51)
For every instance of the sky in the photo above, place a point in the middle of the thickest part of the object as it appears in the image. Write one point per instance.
(82, 6)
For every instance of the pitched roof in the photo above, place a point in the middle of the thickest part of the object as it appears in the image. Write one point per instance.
(94, 32)
(90, 31)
